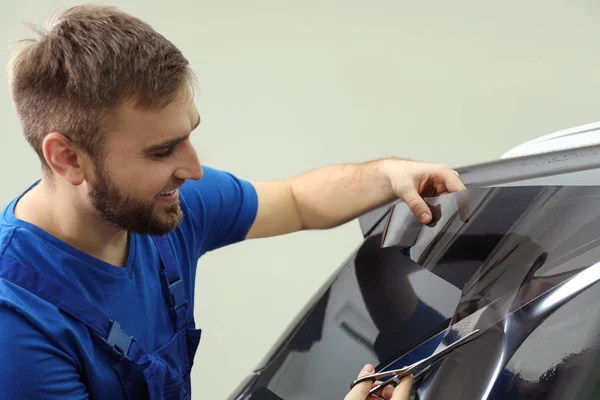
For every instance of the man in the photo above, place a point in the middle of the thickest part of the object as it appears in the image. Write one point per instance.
(98, 257)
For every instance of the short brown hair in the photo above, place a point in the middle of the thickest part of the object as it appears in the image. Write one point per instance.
(89, 60)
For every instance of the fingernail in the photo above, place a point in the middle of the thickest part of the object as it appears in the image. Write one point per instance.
(424, 217)
(368, 368)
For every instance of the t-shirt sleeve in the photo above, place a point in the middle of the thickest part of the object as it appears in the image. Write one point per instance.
(221, 206)
(31, 367)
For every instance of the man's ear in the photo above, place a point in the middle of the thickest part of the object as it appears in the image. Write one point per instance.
(64, 157)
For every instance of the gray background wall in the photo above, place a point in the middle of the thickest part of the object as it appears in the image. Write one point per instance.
(290, 86)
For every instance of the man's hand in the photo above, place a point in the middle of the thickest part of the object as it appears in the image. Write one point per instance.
(411, 181)
(361, 391)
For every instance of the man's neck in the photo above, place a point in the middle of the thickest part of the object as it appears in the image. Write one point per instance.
(63, 217)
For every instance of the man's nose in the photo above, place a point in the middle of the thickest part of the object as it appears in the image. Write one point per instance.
(190, 167)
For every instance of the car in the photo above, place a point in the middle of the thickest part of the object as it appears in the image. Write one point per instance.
(515, 256)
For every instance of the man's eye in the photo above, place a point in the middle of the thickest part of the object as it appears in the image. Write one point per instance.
(164, 153)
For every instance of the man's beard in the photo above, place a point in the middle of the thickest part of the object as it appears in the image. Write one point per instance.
(130, 214)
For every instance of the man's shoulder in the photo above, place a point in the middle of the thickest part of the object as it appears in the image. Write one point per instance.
(220, 208)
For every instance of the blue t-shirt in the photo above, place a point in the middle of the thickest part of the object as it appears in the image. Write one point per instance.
(46, 354)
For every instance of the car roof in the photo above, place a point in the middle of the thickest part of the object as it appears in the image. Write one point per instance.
(572, 138)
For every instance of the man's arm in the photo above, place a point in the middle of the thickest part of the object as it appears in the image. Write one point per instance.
(330, 196)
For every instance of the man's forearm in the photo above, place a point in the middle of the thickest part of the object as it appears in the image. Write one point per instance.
(333, 195)
(330, 196)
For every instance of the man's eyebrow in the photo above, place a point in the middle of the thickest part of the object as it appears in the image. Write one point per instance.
(165, 144)
(170, 142)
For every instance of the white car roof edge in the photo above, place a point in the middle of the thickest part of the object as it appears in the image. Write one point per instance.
(576, 137)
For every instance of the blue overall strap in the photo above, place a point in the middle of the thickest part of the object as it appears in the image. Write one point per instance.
(103, 329)
(173, 286)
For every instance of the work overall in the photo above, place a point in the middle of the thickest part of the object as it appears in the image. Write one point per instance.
(164, 374)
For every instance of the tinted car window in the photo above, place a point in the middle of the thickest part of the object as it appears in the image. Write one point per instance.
(397, 295)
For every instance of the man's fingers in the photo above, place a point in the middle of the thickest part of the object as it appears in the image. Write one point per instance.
(416, 204)
(361, 391)
(444, 180)
(388, 391)
(402, 391)
(452, 181)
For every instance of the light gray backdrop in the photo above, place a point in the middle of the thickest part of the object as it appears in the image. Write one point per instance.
(288, 86)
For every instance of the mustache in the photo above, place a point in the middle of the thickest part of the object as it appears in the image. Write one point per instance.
(173, 186)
